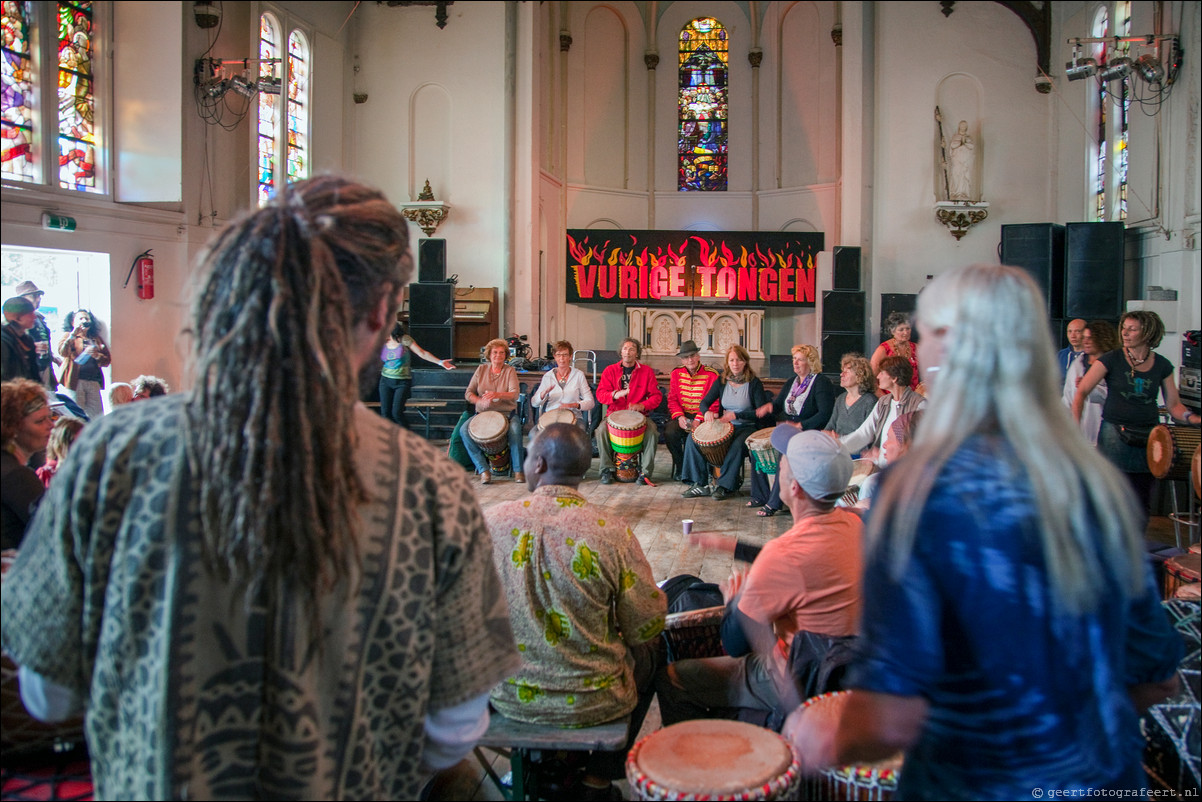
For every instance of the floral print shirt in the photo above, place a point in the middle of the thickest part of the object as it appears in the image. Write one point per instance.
(580, 592)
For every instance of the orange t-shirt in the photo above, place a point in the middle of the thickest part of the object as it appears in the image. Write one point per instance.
(809, 579)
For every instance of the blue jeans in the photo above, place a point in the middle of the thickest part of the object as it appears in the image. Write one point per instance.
(517, 454)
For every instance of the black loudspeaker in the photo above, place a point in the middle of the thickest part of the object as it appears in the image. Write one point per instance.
(1038, 248)
(780, 366)
(843, 311)
(834, 346)
(847, 269)
(904, 302)
(431, 304)
(1096, 284)
(438, 340)
(432, 260)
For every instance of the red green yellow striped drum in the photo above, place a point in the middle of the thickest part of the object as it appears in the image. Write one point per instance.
(626, 431)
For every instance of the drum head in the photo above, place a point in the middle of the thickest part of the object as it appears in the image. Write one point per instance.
(760, 440)
(828, 707)
(556, 416)
(710, 757)
(714, 431)
(1160, 451)
(626, 419)
(484, 427)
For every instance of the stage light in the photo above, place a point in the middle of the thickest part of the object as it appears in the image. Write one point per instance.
(1080, 68)
(1149, 68)
(1115, 70)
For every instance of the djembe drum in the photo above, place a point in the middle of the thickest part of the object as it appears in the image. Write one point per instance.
(627, 429)
(490, 431)
(861, 469)
(560, 415)
(713, 439)
(1182, 570)
(712, 759)
(764, 458)
(865, 781)
(1170, 449)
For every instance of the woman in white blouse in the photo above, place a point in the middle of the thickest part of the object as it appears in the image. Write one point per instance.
(564, 387)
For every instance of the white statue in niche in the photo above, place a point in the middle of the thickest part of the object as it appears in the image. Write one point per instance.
(960, 163)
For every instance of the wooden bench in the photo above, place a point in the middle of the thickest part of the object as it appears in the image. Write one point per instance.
(423, 407)
(522, 743)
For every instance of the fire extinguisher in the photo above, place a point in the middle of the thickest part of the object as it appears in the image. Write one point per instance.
(144, 264)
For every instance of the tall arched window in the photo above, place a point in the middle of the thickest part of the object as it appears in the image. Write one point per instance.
(702, 106)
(298, 106)
(1112, 107)
(49, 91)
(284, 119)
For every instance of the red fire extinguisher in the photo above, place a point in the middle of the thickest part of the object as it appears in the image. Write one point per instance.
(144, 264)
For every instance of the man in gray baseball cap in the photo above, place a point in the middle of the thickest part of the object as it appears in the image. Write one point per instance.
(40, 334)
(806, 580)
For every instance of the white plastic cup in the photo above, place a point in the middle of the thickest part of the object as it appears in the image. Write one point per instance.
(687, 524)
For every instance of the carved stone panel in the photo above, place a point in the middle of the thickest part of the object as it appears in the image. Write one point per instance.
(663, 329)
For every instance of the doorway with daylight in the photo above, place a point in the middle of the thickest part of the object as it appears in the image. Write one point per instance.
(71, 280)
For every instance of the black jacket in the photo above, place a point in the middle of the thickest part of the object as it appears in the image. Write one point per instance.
(19, 357)
(818, 406)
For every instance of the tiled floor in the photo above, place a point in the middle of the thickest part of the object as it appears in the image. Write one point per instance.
(655, 514)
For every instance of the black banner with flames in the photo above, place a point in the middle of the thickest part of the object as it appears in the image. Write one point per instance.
(743, 268)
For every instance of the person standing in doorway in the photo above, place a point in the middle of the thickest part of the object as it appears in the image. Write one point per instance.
(84, 354)
(40, 334)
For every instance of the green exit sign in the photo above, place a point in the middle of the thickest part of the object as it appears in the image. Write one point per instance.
(57, 222)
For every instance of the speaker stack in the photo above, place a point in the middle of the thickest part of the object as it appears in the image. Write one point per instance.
(432, 300)
(844, 310)
(1080, 267)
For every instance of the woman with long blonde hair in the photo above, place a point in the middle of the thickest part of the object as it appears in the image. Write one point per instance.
(1011, 630)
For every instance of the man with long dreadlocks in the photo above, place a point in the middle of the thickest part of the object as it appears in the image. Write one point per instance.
(258, 588)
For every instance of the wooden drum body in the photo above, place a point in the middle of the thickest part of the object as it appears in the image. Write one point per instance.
(868, 781)
(490, 431)
(764, 458)
(1170, 449)
(712, 759)
(627, 429)
(713, 438)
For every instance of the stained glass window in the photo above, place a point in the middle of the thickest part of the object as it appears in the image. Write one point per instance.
(298, 106)
(30, 113)
(16, 126)
(269, 106)
(1122, 108)
(76, 104)
(1101, 30)
(283, 124)
(703, 106)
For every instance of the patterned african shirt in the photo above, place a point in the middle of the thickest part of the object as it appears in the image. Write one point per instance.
(195, 692)
(580, 591)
